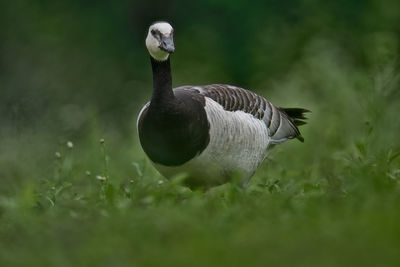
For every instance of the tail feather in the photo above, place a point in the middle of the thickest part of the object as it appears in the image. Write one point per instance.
(296, 113)
(299, 122)
(297, 116)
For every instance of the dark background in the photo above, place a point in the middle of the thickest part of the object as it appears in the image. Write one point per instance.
(91, 54)
(79, 70)
(74, 72)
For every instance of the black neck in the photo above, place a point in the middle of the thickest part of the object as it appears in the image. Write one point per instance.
(162, 81)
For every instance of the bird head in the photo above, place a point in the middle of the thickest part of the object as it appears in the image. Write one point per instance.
(159, 40)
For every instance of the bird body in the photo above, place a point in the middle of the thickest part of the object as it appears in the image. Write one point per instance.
(211, 133)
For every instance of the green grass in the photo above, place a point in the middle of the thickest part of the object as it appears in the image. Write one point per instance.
(332, 201)
(281, 219)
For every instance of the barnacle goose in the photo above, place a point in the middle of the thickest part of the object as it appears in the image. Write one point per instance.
(211, 132)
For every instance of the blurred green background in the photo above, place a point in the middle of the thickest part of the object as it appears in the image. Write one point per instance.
(78, 71)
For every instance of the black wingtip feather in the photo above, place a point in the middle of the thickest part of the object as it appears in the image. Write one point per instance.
(296, 113)
(297, 116)
(299, 122)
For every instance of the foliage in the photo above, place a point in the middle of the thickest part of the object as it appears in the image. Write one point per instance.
(77, 189)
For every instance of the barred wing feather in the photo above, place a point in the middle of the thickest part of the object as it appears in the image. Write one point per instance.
(281, 122)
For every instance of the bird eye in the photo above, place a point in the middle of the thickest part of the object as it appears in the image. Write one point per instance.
(153, 32)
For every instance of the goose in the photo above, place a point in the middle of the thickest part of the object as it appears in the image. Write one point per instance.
(211, 133)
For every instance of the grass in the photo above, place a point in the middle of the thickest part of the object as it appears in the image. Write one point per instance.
(91, 198)
(147, 221)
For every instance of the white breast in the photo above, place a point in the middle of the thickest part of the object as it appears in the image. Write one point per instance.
(238, 144)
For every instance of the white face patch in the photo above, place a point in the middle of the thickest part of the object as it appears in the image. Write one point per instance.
(153, 41)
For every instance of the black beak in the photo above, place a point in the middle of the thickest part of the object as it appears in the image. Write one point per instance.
(167, 44)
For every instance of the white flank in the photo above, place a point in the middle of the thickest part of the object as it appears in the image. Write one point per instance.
(238, 145)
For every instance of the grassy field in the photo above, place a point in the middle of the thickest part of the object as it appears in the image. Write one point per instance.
(77, 190)
(95, 200)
